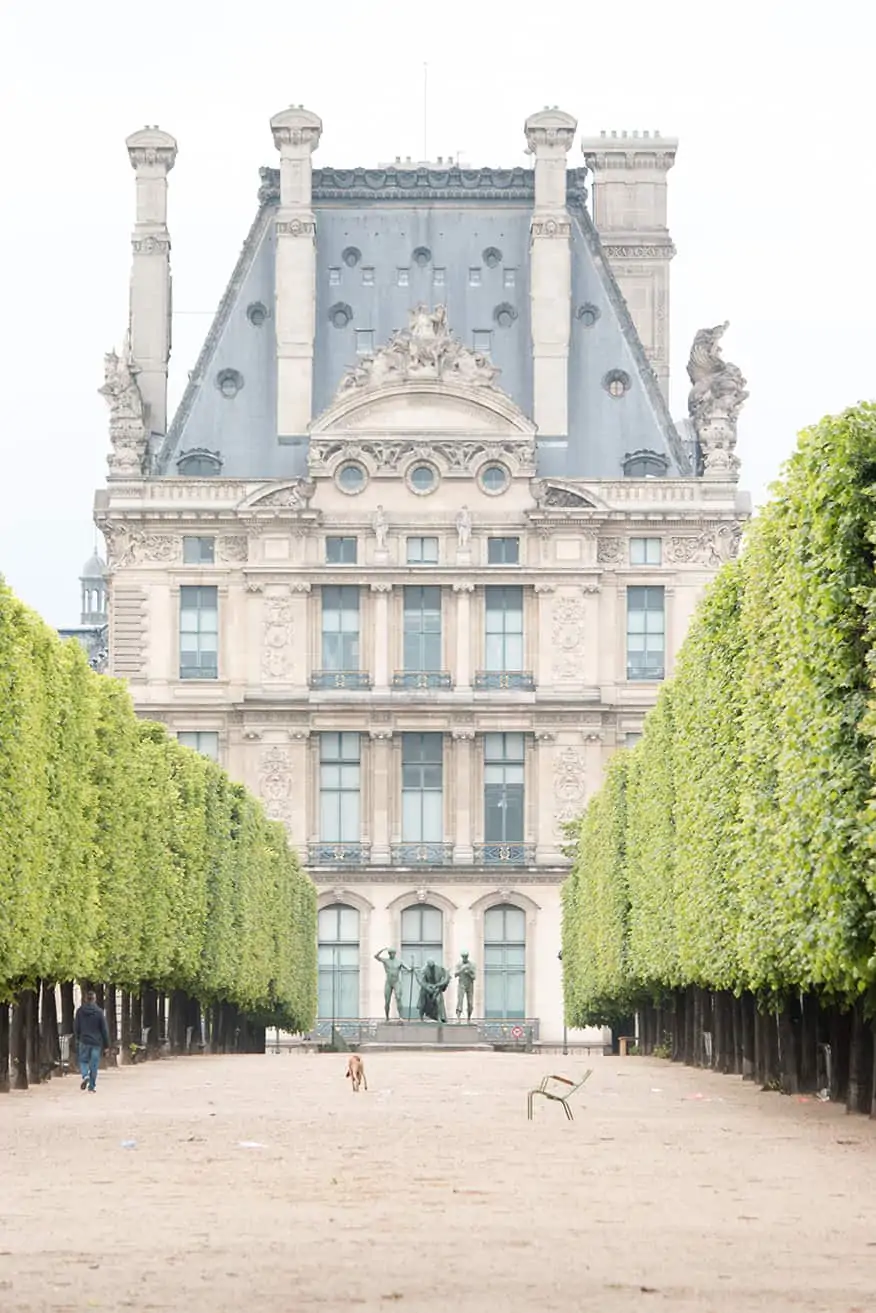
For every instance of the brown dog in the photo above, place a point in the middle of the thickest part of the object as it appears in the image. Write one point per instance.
(356, 1072)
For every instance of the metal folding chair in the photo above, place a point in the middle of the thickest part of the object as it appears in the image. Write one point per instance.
(557, 1096)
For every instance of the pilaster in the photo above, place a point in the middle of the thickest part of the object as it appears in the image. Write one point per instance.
(463, 748)
(381, 593)
(462, 675)
(302, 785)
(152, 154)
(296, 133)
(381, 743)
(549, 136)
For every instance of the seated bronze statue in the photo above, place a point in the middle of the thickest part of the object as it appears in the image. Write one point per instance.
(433, 980)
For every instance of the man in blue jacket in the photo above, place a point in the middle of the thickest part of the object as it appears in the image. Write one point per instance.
(92, 1037)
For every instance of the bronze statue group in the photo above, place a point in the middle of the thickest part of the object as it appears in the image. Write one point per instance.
(433, 980)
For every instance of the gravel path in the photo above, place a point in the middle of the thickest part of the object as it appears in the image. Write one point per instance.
(263, 1184)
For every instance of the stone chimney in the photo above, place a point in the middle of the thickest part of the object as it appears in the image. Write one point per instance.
(152, 154)
(296, 134)
(629, 210)
(549, 136)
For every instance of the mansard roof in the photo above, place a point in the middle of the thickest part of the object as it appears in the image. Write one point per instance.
(388, 239)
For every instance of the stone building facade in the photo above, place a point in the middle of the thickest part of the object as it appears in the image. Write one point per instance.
(422, 540)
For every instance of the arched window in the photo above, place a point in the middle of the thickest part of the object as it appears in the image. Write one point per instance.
(338, 962)
(199, 464)
(422, 938)
(504, 962)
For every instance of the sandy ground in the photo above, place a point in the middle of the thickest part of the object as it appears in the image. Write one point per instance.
(264, 1185)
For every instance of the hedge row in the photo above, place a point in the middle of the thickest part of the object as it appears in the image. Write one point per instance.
(129, 859)
(732, 850)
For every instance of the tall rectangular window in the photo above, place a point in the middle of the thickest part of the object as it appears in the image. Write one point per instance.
(198, 551)
(339, 785)
(364, 341)
(503, 788)
(340, 627)
(422, 551)
(205, 741)
(646, 627)
(340, 551)
(645, 551)
(482, 340)
(503, 551)
(198, 632)
(422, 788)
(422, 628)
(504, 628)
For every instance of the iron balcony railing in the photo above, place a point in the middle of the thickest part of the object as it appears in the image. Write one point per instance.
(643, 674)
(422, 854)
(338, 854)
(346, 679)
(518, 680)
(504, 854)
(422, 679)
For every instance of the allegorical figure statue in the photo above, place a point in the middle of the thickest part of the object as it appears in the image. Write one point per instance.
(433, 980)
(465, 977)
(393, 968)
(463, 527)
(381, 528)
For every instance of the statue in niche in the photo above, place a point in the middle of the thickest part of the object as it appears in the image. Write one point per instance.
(433, 980)
(465, 977)
(463, 528)
(393, 983)
(381, 528)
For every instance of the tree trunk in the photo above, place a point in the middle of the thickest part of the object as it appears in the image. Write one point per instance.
(859, 1096)
(19, 1045)
(746, 1016)
(840, 1032)
(808, 1043)
(772, 1073)
(789, 1059)
(689, 1026)
(112, 1016)
(50, 1046)
(30, 1001)
(678, 1026)
(67, 1009)
(760, 1065)
(4, 1048)
(193, 1021)
(149, 1005)
(127, 1034)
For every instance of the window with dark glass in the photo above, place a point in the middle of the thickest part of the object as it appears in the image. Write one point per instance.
(340, 627)
(646, 628)
(340, 551)
(504, 766)
(198, 551)
(504, 628)
(503, 551)
(422, 628)
(198, 632)
(339, 787)
(422, 788)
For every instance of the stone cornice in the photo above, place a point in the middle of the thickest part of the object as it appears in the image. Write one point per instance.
(422, 183)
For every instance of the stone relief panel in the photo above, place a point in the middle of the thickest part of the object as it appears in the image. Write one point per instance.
(275, 783)
(712, 547)
(233, 550)
(277, 635)
(570, 787)
(136, 547)
(611, 551)
(567, 634)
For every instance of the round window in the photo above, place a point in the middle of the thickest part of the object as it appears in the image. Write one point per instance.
(494, 478)
(351, 478)
(423, 478)
(617, 383)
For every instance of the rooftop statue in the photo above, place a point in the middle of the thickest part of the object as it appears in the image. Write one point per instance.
(128, 432)
(714, 402)
(426, 349)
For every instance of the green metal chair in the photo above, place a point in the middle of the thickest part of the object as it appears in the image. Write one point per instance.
(556, 1096)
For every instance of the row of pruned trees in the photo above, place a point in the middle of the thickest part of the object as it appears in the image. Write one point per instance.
(724, 884)
(133, 863)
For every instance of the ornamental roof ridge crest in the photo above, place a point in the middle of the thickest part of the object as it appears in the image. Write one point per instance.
(424, 351)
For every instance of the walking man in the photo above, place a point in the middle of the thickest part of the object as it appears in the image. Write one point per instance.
(92, 1037)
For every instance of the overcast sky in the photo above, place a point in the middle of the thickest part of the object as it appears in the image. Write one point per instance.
(772, 191)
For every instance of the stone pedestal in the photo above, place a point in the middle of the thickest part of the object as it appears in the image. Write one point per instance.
(426, 1032)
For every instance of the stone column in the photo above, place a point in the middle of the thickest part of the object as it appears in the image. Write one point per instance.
(302, 784)
(296, 134)
(463, 744)
(462, 673)
(547, 848)
(543, 646)
(381, 746)
(593, 741)
(381, 636)
(549, 136)
(300, 602)
(152, 154)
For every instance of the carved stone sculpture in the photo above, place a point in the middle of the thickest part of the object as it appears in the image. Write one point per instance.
(424, 350)
(463, 528)
(465, 977)
(714, 403)
(381, 528)
(128, 431)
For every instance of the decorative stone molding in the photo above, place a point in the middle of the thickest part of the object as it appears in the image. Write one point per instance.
(590, 587)
(381, 735)
(570, 786)
(300, 586)
(294, 496)
(388, 456)
(299, 735)
(420, 182)
(296, 227)
(711, 547)
(423, 350)
(463, 586)
(137, 547)
(544, 587)
(382, 587)
(150, 148)
(594, 736)
(611, 551)
(276, 784)
(277, 636)
(714, 403)
(253, 586)
(252, 735)
(551, 228)
(665, 251)
(150, 245)
(544, 735)
(233, 550)
(550, 495)
(464, 735)
(567, 635)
